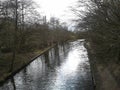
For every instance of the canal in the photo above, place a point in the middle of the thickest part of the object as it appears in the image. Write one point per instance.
(64, 67)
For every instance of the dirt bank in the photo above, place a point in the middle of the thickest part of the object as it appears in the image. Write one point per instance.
(104, 78)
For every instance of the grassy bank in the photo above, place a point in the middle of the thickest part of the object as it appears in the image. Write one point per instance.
(103, 73)
(21, 61)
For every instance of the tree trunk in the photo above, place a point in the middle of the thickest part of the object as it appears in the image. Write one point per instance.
(15, 37)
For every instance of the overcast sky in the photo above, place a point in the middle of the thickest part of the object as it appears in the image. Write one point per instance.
(57, 8)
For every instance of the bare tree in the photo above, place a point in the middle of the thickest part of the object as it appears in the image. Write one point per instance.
(15, 35)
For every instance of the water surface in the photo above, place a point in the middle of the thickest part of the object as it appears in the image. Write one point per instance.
(64, 67)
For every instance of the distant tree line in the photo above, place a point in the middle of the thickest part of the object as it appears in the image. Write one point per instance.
(23, 29)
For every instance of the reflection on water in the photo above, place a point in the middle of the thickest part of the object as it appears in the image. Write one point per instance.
(64, 67)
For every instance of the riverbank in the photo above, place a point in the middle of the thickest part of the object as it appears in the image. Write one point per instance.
(21, 61)
(103, 78)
